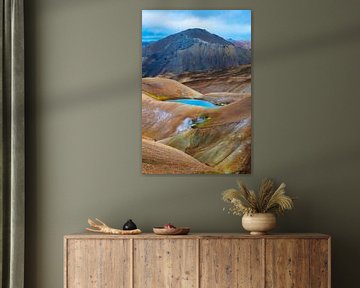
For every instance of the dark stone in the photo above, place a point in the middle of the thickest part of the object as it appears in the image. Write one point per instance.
(129, 225)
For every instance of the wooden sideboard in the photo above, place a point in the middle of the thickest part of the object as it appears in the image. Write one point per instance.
(197, 260)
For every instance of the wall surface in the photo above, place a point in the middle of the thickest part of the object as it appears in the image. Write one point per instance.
(83, 126)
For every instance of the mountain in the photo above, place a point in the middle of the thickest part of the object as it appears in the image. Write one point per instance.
(192, 50)
(241, 43)
(145, 43)
(158, 158)
(166, 89)
(222, 143)
(234, 80)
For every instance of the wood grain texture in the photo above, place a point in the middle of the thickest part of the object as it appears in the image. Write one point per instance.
(98, 264)
(164, 263)
(319, 263)
(197, 260)
(287, 263)
(231, 263)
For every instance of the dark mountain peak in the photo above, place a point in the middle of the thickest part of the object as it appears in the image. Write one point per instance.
(191, 50)
(202, 34)
(195, 30)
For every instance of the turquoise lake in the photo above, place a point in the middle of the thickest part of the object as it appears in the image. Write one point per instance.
(195, 102)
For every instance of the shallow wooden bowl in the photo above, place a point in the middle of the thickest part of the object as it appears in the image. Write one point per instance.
(171, 231)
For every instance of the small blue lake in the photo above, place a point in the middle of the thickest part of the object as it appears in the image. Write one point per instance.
(195, 102)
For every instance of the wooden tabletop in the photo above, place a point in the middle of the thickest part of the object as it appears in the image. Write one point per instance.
(89, 235)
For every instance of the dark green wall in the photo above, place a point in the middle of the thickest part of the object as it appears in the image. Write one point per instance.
(83, 126)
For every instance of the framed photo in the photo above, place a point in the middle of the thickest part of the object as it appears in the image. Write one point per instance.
(196, 91)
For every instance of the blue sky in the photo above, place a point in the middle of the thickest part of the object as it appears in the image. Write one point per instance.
(235, 24)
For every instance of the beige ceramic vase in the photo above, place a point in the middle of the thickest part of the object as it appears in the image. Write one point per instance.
(259, 223)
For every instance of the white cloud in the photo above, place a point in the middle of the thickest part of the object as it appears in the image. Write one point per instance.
(172, 21)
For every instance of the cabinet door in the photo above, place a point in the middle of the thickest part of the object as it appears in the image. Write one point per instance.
(231, 263)
(287, 263)
(165, 263)
(320, 263)
(98, 263)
